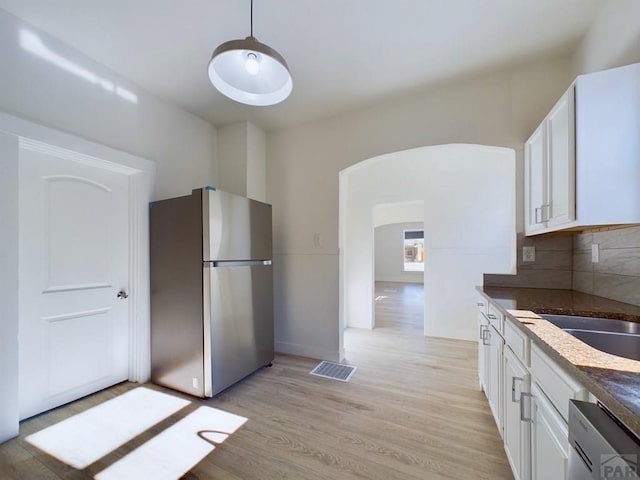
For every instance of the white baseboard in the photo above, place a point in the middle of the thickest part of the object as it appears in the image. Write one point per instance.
(307, 351)
(418, 278)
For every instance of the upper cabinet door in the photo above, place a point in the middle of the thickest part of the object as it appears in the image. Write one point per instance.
(550, 170)
(590, 155)
(560, 208)
(535, 181)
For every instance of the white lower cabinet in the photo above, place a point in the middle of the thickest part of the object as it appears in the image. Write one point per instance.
(528, 393)
(549, 439)
(483, 346)
(516, 420)
(557, 385)
(494, 393)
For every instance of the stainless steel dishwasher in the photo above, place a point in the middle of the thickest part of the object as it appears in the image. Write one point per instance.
(600, 446)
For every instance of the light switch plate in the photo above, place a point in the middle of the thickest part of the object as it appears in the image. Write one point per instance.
(595, 253)
(528, 254)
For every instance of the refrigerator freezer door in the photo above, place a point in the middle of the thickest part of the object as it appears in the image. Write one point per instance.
(241, 322)
(235, 228)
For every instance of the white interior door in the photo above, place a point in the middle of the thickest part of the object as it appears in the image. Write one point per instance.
(74, 259)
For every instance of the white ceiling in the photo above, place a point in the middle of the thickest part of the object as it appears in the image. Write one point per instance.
(343, 54)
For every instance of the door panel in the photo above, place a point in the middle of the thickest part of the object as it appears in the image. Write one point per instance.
(85, 335)
(73, 255)
(71, 259)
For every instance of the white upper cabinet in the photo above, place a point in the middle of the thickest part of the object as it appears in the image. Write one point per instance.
(561, 203)
(582, 163)
(550, 170)
(535, 164)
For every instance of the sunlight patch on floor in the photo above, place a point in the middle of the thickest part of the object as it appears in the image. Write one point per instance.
(88, 436)
(173, 452)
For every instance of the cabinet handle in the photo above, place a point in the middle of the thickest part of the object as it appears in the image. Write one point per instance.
(513, 388)
(486, 337)
(480, 304)
(538, 209)
(522, 417)
(547, 207)
(492, 316)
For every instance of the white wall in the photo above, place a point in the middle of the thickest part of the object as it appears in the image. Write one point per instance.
(256, 163)
(464, 188)
(613, 39)
(242, 160)
(232, 158)
(304, 162)
(400, 212)
(501, 108)
(389, 253)
(182, 145)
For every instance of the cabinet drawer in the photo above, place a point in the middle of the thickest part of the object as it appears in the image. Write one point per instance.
(496, 318)
(483, 305)
(558, 386)
(518, 341)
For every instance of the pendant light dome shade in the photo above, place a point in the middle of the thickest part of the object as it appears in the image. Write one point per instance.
(250, 72)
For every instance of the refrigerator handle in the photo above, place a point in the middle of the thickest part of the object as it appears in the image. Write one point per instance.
(236, 263)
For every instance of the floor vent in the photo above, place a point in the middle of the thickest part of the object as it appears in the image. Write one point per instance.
(335, 371)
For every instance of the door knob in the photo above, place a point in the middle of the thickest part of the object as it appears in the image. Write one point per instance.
(122, 295)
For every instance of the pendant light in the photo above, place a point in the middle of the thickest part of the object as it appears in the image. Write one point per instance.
(250, 72)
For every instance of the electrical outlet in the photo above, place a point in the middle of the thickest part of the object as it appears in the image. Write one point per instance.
(595, 253)
(194, 382)
(528, 254)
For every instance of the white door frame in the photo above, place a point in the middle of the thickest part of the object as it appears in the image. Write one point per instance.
(14, 132)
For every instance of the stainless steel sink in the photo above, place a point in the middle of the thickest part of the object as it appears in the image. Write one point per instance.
(618, 337)
(625, 345)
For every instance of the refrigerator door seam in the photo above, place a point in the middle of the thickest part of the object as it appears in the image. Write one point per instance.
(206, 296)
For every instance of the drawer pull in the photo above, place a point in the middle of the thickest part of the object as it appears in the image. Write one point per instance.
(513, 388)
(522, 417)
(486, 337)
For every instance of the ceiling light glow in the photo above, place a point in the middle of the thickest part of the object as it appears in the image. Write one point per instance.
(252, 65)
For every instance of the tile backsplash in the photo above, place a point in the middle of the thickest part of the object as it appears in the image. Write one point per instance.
(617, 274)
(552, 268)
(565, 262)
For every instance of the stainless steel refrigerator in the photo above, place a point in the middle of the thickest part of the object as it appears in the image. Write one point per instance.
(211, 290)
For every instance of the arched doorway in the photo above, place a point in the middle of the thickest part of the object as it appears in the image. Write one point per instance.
(468, 194)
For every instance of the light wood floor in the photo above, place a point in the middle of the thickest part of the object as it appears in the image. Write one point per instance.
(412, 410)
(400, 306)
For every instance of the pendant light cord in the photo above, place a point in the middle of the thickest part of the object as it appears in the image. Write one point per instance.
(252, 18)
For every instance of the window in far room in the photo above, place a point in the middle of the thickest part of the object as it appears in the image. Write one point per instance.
(414, 250)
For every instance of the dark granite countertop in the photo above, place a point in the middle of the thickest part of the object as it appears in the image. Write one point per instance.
(614, 380)
(561, 302)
